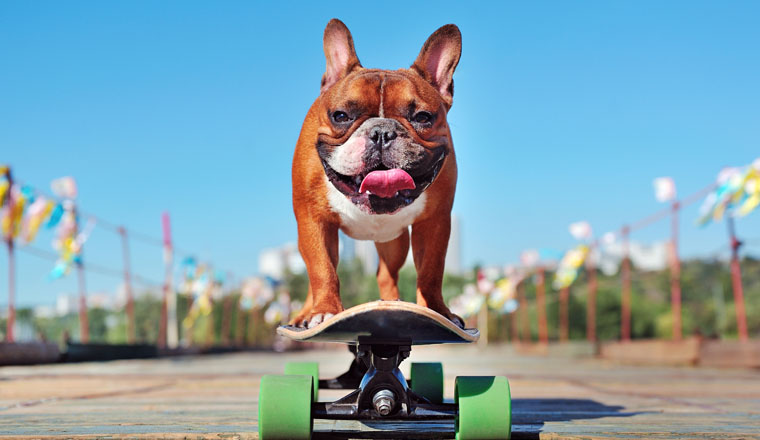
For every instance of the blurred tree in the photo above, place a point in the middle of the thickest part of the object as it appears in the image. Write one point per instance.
(708, 307)
(147, 317)
(96, 319)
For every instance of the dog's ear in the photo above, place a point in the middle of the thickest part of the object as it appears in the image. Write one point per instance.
(438, 59)
(339, 52)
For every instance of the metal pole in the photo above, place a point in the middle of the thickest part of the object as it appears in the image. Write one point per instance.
(11, 290)
(252, 321)
(84, 328)
(168, 332)
(513, 328)
(210, 330)
(523, 311)
(483, 325)
(675, 274)
(226, 310)
(736, 281)
(625, 272)
(239, 326)
(591, 303)
(11, 260)
(130, 306)
(564, 296)
(543, 332)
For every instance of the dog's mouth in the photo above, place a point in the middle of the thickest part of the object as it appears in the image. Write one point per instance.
(383, 190)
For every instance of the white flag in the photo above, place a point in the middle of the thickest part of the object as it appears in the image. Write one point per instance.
(64, 187)
(529, 258)
(664, 189)
(581, 230)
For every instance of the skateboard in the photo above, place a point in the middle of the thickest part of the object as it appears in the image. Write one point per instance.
(381, 335)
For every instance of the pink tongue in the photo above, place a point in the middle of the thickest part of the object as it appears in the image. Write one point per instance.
(386, 183)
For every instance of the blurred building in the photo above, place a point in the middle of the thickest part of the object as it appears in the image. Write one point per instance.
(644, 256)
(454, 253)
(274, 262)
(347, 246)
(67, 303)
(44, 311)
(367, 254)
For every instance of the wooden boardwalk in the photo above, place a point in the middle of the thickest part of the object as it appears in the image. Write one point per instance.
(215, 397)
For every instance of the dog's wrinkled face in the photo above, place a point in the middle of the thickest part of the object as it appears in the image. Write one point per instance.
(383, 135)
(383, 138)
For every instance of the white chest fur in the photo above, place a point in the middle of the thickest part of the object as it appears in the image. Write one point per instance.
(376, 227)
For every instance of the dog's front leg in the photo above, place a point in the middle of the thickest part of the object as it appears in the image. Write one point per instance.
(318, 244)
(430, 239)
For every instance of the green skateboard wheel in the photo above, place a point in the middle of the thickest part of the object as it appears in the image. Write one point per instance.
(427, 380)
(307, 368)
(285, 407)
(484, 407)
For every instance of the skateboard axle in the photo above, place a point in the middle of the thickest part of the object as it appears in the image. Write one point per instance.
(383, 402)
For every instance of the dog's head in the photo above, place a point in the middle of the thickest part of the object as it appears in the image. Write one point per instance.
(383, 135)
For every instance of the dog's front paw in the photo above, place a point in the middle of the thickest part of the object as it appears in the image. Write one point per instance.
(456, 320)
(317, 319)
(314, 318)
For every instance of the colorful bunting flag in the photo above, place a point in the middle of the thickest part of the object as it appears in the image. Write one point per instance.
(502, 298)
(569, 266)
(737, 190)
(279, 310)
(69, 240)
(468, 303)
(255, 293)
(36, 215)
(12, 212)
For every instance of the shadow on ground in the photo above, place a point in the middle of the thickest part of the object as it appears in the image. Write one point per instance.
(529, 418)
(530, 415)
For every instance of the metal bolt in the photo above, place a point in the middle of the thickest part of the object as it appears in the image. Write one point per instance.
(383, 401)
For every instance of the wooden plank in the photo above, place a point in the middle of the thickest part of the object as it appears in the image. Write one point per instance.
(653, 351)
(734, 354)
(216, 397)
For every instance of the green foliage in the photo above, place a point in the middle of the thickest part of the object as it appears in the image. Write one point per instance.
(147, 318)
(707, 302)
(708, 307)
(297, 285)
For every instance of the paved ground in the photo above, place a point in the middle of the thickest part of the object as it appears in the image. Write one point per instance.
(216, 396)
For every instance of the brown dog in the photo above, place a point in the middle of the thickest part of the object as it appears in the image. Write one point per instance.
(374, 157)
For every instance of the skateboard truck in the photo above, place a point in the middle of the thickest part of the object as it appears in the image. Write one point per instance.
(381, 335)
(382, 392)
(349, 380)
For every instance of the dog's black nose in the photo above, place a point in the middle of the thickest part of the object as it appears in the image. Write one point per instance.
(382, 136)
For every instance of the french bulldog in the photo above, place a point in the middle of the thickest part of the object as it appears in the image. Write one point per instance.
(373, 158)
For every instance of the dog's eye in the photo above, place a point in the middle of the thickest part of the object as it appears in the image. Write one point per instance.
(422, 118)
(340, 117)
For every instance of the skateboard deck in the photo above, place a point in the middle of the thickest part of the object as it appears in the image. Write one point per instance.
(384, 322)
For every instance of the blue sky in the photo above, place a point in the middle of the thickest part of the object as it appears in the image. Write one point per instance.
(563, 111)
